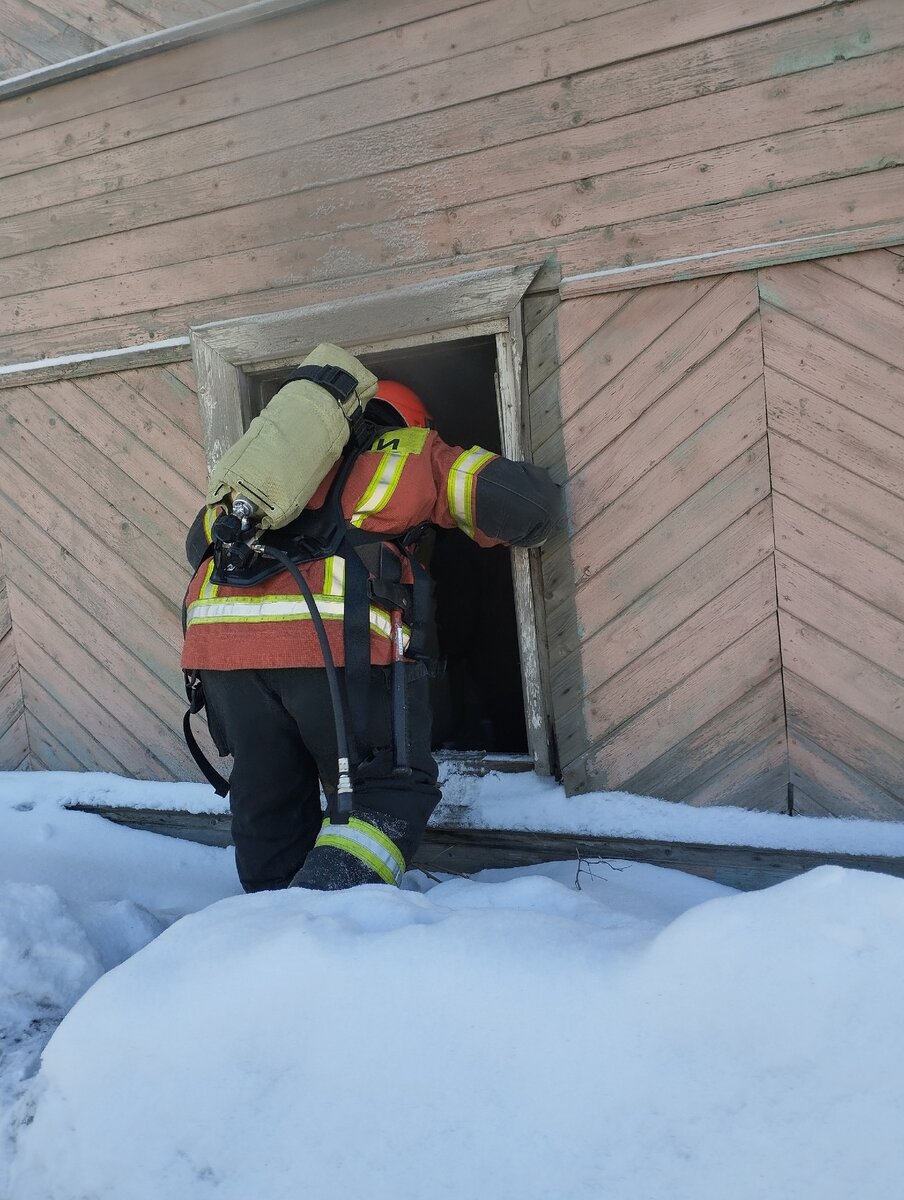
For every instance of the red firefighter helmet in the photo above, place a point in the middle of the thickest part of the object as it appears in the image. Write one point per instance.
(403, 401)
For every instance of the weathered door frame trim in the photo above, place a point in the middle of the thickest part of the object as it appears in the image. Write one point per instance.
(227, 353)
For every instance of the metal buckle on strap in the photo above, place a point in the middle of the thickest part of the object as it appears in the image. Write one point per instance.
(193, 691)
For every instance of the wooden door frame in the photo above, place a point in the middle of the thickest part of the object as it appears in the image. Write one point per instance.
(474, 304)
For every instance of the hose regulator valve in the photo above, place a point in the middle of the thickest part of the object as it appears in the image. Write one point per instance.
(232, 533)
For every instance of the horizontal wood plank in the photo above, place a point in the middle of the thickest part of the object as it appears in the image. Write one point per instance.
(476, 31)
(809, 221)
(576, 35)
(481, 227)
(453, 211)
(631, 172)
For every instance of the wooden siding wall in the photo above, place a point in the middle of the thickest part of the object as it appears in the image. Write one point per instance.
(348, 147)
(34, 33)
(726, 616)
(834, 347)
(100, 480)
(662, 627)
(13, 732)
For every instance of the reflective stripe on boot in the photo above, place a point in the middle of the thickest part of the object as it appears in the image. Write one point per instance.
(346, 855)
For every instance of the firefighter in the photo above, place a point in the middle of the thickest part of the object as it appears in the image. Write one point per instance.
(256, 655)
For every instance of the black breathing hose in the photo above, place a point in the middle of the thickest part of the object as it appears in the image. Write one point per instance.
(341, 807)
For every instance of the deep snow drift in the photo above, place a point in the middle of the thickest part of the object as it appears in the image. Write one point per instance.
(642, 1036)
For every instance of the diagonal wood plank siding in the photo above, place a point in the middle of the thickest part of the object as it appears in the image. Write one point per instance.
(13, 733)
(34, 33)
(348, 147)
(661, 603)
(834, 350)
(99, 484)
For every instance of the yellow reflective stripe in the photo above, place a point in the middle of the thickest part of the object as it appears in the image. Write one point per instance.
(381, 487)
(334, 576)
(208, 589)
(460, 489)
(367, 843)
(210, 515)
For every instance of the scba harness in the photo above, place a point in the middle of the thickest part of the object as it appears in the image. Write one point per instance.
(374, 566)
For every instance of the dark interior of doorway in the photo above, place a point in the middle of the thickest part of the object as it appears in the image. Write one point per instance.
(478, 702)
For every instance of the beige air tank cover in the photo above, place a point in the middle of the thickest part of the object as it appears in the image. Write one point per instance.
(290, 447)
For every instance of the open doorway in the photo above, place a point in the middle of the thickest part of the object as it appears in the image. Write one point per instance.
(478, 701)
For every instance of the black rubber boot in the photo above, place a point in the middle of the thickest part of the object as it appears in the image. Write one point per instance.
(371, 848)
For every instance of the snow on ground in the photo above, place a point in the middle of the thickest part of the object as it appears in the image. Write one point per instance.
(527, 801)
(570, 1031)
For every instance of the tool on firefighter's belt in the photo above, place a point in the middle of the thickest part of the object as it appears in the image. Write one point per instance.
(401, 766)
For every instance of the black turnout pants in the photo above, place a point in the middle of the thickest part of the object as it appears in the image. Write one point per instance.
(278, 725)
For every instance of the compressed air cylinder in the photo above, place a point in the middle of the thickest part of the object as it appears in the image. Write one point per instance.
(288, 449)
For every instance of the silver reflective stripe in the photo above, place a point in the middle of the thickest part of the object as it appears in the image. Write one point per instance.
(259, 610)
(250, 608)
(368, 844)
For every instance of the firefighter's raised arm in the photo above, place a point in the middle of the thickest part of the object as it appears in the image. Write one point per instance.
(494, 500)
